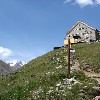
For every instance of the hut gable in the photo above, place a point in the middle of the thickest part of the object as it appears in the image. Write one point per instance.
(82, 32)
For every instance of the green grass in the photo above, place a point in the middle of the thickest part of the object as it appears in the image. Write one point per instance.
(89, 55)
(41, 76)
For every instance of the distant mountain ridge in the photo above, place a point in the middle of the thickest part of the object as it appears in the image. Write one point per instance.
(4, 68)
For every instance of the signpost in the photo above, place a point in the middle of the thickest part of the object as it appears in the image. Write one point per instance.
(68, 58)
(68, 42)
(69, 51)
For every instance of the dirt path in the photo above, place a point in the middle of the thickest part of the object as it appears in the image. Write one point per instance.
(93, 75)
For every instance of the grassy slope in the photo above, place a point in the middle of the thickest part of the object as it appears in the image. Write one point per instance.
(89, 55)
(41, 74)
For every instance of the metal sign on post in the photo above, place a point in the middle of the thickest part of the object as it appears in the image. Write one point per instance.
(73, 51)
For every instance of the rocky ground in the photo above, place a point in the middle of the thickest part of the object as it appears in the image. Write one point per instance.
(89, 74)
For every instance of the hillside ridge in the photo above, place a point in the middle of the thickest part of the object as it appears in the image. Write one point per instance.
(45, 77)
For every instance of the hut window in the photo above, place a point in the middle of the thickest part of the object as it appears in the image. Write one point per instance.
(90, 32)
(82, 27)
(85, 30)
(83, 33)
(91, 36)
(77, 33)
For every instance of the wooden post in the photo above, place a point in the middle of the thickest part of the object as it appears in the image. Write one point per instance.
(68, 58)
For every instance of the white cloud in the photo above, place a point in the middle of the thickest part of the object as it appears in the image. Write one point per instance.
(66, 1)
(5, 53)
(83, 3)
(98, 2)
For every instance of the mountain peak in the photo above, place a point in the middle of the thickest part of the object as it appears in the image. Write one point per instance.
(15, 64)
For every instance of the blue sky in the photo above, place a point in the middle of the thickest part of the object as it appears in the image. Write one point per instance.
(30, 28)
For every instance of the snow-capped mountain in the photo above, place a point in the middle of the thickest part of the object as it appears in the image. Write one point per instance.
(16, 64)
